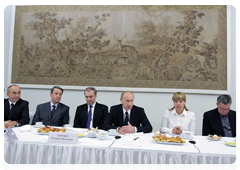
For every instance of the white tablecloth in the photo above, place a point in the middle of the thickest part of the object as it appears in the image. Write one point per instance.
(32, 148)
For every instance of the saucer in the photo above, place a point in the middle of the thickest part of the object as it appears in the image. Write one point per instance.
(113, 134)
(91, 136)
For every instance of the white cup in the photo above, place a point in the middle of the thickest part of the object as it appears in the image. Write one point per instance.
(91, 133)
(112, 131)
(187, 136)
(38, 124)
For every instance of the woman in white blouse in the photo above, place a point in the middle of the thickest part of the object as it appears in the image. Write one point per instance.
(178, 119)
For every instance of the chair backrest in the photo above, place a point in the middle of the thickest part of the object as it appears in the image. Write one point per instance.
(31, 114)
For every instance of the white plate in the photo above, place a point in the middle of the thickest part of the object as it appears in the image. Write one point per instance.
(230, 145)
(213, 139)
(169, 143)
(91, 136)
(41, 133)
(113, 134)
(81, 136)
(188, 137)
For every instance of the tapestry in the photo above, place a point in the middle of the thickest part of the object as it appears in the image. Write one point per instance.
(176, 47)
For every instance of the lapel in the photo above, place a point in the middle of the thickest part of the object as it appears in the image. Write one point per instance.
(119, 112)
(48, 110)
(218, 121)
(96, 109)
(132, 115)
(231, 120)
(85, 112)
(6, 108)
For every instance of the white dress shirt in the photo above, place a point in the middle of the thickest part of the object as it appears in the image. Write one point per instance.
(51, 104)
(186, 120)
(11, 103)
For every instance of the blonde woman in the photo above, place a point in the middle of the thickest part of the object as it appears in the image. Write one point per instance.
(178, 119)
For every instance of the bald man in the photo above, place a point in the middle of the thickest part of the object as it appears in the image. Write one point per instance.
(16, 110)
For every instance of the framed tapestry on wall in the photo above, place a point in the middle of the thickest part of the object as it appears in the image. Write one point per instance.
(140, 47)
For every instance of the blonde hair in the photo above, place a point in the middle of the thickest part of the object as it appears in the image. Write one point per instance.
(179, 96)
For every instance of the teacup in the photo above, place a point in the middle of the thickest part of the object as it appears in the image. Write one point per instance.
(38, 124)
(102, 135)
(91, 133)
(187, 136)
(112, 131)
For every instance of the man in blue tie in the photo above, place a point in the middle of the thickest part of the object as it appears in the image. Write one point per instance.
(221, 120)
(91, 114)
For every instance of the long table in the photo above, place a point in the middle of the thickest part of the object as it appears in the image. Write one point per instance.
(32, 148)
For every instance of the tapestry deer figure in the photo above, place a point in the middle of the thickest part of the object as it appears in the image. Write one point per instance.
(125, 49)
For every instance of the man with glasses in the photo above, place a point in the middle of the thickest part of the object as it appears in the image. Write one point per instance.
(222, 120)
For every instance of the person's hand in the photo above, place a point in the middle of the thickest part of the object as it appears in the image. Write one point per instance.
(177, 130)
(128, 128)
(120, 131)
(10, 123)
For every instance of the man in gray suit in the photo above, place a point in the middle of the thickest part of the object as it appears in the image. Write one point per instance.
(52, 113)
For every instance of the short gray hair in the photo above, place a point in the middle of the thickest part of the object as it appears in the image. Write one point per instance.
(91, 89)
(225, 99)
(8, 89)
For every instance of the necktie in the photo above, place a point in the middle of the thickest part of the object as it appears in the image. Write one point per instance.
(53, 110)
(226, 127)
(126, 119)
(12, 105)
(89, 117)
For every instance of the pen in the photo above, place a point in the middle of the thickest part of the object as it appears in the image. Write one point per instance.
(136, 138)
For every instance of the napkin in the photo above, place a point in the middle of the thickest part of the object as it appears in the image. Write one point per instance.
(134, 138)
(135, 134)
(79, 130)
(26, 128)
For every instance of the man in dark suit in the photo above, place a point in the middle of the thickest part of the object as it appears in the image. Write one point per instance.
(52, 113)
(126, 117)
(220, 121)
(16, 111)
(94, 117)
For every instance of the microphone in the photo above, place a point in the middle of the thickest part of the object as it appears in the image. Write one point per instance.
(116, 137)
(194, 142)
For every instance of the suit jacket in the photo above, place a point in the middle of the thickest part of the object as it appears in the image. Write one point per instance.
(43, 114)
(138, 119)
(20, 112)
(99, 116)
(212, 123)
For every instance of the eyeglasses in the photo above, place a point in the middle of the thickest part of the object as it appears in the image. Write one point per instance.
(222, 109)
